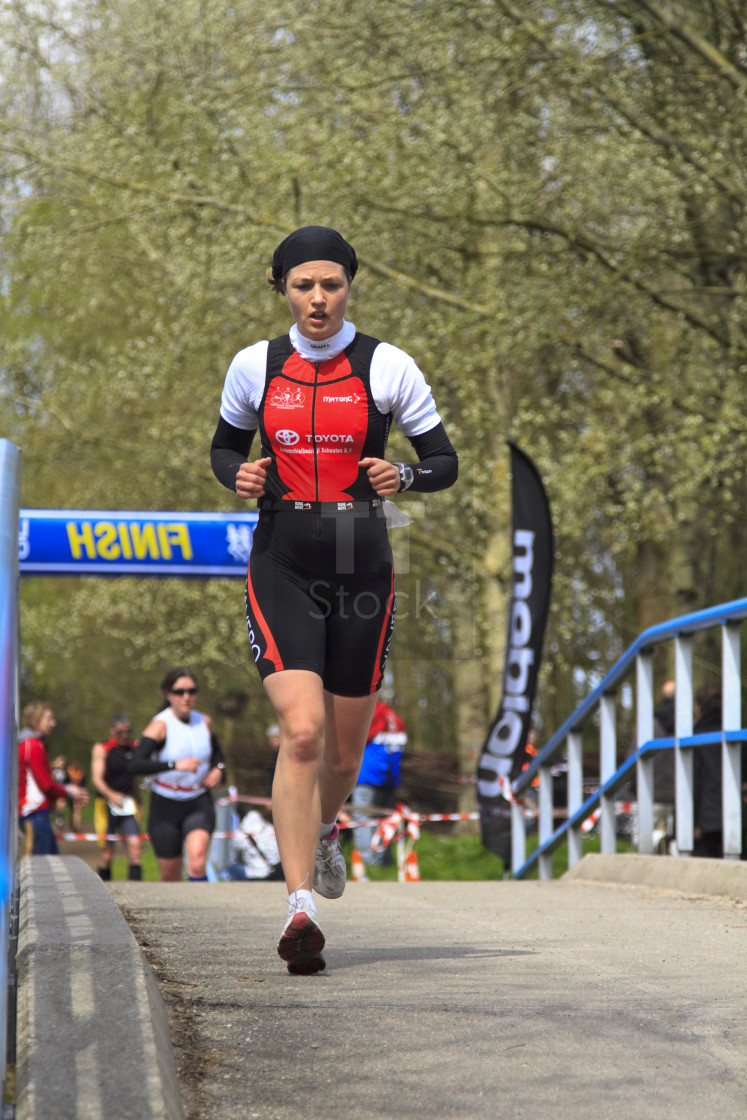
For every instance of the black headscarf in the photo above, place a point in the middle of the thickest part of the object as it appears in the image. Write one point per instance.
(313, 243)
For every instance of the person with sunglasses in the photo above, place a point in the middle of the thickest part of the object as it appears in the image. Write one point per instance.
(181, 753)
(320, 587)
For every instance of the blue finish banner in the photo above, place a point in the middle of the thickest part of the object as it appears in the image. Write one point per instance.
(74, 542)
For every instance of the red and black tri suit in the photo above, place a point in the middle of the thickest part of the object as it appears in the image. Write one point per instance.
(317, 421)
(320, 586)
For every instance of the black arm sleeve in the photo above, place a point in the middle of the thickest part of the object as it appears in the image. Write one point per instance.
(140, 761)
(438, 466)
(229, 449)
(216, 751)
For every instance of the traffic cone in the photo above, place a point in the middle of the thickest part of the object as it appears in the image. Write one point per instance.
(412, 871)
(358, 867)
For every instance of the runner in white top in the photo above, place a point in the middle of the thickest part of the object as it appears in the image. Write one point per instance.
(182, 753)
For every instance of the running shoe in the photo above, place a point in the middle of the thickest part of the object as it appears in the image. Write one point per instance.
(330, 871)
(301, 942)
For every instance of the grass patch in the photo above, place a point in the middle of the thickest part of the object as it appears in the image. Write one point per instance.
(121, 864)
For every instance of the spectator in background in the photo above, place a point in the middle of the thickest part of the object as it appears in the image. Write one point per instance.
(530, 753)
(664, 761)
(119, 795)
(59, 769)
(707, 777)
(664, 792)
(379, 777)
(664, 714)
(37, 789)
(254, 851)
(59, 773)
(75, 775)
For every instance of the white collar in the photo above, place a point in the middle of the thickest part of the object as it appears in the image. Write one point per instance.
(325, 348)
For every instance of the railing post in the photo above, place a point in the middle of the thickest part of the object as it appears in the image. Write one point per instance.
(226, 819)
(731, 753)
(10, 472)
(575, 794)
(546, 827)
(518, 835)
(608, 765)
(683, 756)
(644, 667)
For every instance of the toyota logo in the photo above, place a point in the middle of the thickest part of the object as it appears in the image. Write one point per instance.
(287, 437)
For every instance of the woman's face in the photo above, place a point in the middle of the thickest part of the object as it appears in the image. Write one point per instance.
(182, 697)
(317, 294)
(46, 722)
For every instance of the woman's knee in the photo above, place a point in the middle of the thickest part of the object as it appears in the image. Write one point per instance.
(195, 851)
(343, 767)
(302, 743)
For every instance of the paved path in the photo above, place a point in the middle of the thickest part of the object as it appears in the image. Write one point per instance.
(571, 999)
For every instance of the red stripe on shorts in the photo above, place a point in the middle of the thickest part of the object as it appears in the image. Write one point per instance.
(378, 667)
(272, 653)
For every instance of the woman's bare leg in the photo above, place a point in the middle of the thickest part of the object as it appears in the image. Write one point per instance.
(298, 699)
(196, 844)
(170, 869)
(348, 719)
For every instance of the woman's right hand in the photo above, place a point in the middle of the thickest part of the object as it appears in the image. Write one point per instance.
(190, 764)
(250, 478)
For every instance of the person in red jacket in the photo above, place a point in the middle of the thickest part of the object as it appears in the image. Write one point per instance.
(37, 788)
(378, 779)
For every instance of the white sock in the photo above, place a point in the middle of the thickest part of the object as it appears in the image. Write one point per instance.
(302, 898)
(326, 830)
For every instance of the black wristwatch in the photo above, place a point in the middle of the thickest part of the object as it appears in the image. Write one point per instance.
(406, 476)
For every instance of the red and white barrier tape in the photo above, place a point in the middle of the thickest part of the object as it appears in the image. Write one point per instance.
(95, 836)
(450, 817)
(402, 822)
(117, 836)
(620, 807)
(233, 797)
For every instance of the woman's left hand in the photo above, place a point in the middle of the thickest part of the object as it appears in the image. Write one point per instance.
(383, 476)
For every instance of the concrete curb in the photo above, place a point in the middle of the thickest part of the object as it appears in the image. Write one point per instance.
(694, 876)
(93, 1035)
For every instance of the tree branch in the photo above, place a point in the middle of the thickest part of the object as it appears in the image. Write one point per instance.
(58, 414)
(636, 382)
(586, 248)
(666, 140)
(696, 43)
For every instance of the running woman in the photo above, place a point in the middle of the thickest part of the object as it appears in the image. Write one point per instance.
(181, 751)
(320, 586)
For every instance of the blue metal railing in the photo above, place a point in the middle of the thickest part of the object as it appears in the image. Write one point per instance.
(602, 702)
(10, 470)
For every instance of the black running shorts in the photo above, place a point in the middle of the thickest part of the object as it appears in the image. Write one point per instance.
(169, 821)
(125, 826)
(320, 596)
